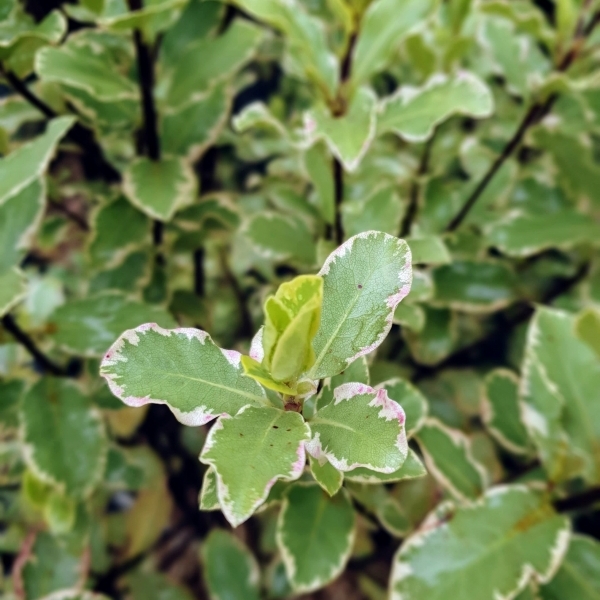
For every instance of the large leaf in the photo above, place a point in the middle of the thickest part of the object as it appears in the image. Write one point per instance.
(413, 113)
(487, 551)
(364, 281)
(56, 418)
(230, 570)
(160, 188)
(250, 452)
(21, 167)
(315, 534)
(362, 427)
(181, 368)
(560, 391)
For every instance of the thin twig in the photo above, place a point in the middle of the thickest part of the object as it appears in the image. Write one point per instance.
(338, 189)
(41, 359)
(199, 276)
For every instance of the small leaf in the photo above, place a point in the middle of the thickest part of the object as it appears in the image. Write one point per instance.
(160, 188)
(356, 372)
(411, 400)
(250, 452)
(381, 210)
(413, 113)
(587, 328)
(428, 250)
(410, 469)
(436, 340)
(181, 368)
(327, 476)
(320, 173)
(230, 570)
(256, 371)
(315, 534)
(364, 280)
(511, 527)
(501, 412)
(208, 499)
(362, 427)
(56, 418)
(448, 458)
(13, 288)
(410, 316)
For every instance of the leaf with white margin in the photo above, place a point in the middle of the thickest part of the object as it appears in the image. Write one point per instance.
(413, 113)
(364, 280)
(315, 535)
(230, 570)
(182, 368)
(489, 550)
(411, 468)
(579, 574)
(159, 188)
(411, 400)
(208, 499)
(501, 412)
(560, 395)
(30, 161)
(348, 136)
(250, 452)
(356, 372)
(448, 457)
(326, 475)
(13, 288)
(362, 427)
(57, 418)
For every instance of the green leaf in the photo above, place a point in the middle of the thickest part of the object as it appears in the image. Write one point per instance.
(364, 281)
(29, 162)
(411, 400)
(315, 534)
(579, 574)
(413, 113)
(491, 549)
(181, 368)
(384, 25)
(56, 418)
(502, 413)
(258, 372)
(230, 571)
(208, 499)
(559, 392)
(250, 452)
(362, 427)
(13, 289)
(587, 328)
(411, 316)
(411, 468)
(436, 340)
(87, 327)
(356, 372)
(349, 135)
(59, 513)
(448, 458)
(381, 210)
(320, 173)
(326, 475)
(160, 188)
(429, 250)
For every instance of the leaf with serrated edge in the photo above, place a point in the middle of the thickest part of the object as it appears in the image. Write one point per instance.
(250, 452)
(315, 535)
(448, 457)
(208, 499)
(181, 368)
(362, 427)
(489, 550)
(410, 469)
(364, 280)
(411, 400)
(326, 475)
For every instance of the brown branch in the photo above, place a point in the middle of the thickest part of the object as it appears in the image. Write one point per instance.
(338, 195)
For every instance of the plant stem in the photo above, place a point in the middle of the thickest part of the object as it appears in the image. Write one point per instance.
(77, 219)
(199, 278)
(338, 194)
(41, 359)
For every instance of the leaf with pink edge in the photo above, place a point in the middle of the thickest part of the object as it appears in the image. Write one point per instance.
(362, 427)
(182, 368)
(250, 452)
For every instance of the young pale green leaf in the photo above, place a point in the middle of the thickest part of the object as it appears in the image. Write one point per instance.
(230, 570)
(13, 288)
(436, 340)
(160, 188)
(208, 499)
(60, 513)
(428, 250)
(497, 545)
(292, 318)
(384, 25)
(579, 574)
(364, 280)
(587, 328)
(315, 535)
(362, 427)
(448, 457)
(411, 400)
(411, 468)
(181, 368)
(250, 452)
(29, 162)
(55, 418)
(413, 113)
(258, 372)
(326, 475)
(559, 391)
(501, 411)
(87, 327)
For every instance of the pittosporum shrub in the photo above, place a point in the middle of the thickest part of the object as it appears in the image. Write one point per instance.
(351, 247)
